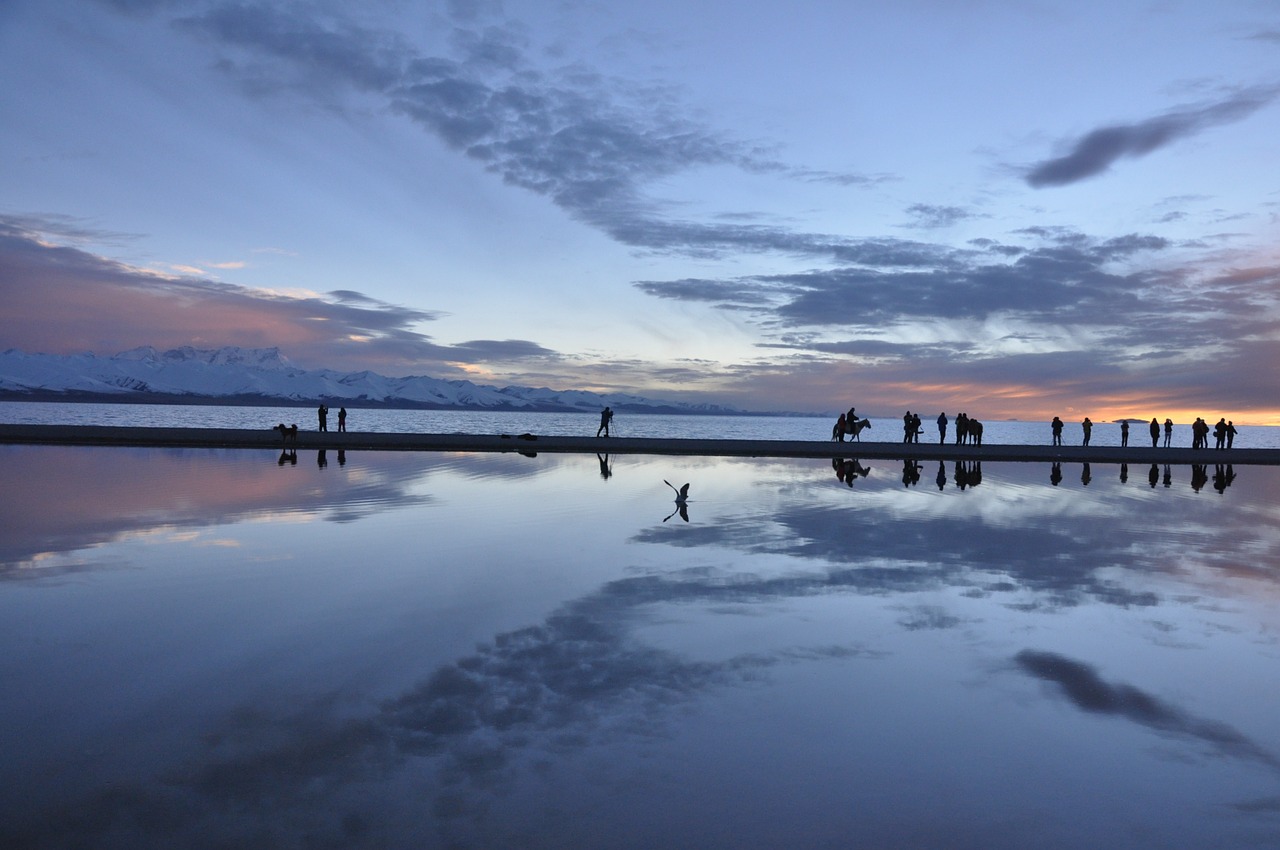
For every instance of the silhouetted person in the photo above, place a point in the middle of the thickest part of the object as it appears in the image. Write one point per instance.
(1231, 434)
(1055, 474)
(908, 429)
(342, 419)
(1168, 432)
(1153, 477)
(942, 474)
(1168, 475)
(1087, 425)
(1220, 434)
(1056, 426)
(838, 431)
(1223, 475)
(942, 427)
(605, 471)
(1124, 433)
(322, 459)
(322, 413)
(1086, 475)
(606, 418)
(342, 457)
(1155, 432)
(910, 473)
(1199, 476)
(916, 427)
(1124, 473)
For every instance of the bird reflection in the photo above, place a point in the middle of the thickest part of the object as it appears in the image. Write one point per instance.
(682, 501)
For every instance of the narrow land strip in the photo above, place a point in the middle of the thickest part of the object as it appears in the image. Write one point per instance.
(233, 438)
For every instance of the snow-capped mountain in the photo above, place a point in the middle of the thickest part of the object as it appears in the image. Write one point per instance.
(264, 375)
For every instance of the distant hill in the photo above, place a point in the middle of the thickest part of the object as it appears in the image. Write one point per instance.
(264, 376)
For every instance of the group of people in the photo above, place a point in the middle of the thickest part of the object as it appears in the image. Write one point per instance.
(323, 413)
(1224, 432)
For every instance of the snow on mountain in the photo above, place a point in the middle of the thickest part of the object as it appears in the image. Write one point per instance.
(266, 374)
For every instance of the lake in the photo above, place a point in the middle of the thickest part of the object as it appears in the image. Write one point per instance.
(575, 424)
(217, 648)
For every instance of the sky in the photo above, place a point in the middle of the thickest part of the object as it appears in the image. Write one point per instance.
(1014, 209)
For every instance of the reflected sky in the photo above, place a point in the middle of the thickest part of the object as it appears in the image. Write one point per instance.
(218, 648)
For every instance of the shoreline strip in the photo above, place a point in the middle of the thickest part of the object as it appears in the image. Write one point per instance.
(235, 438)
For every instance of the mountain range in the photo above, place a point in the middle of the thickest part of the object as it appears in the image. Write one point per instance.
(264, 376)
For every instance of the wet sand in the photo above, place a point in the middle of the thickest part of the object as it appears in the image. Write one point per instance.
(93, 435)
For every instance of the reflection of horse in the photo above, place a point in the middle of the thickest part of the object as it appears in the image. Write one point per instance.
(854, 427)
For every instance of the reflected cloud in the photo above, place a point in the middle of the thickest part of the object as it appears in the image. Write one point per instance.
(1081, 684)
(75, 498)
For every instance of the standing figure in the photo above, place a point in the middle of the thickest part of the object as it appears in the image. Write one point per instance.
(1124, 433)
(1231, 434)
(1087, 425)
(1220, 434)
(342, 419)
(322, 413)
(907, 427)
(942, 427)
(1168, 432)
(1155, 432)
(1056, 425)
(606, 417)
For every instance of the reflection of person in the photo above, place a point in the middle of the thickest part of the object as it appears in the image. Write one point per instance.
(606, 417)
(1055, 474)
(605, 471)
(322, 413)
(1085, 475)
(342, 419)
(322, 460)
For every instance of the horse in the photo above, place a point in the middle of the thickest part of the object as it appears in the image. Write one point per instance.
(855, 428)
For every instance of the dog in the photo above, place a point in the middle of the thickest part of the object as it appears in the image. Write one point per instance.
(288, 435)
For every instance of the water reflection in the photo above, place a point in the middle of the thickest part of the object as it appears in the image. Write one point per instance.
(804, 663)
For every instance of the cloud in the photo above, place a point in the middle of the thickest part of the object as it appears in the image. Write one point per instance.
(1081, 684)
(934, 216)
(59, 300)
(1096, 151)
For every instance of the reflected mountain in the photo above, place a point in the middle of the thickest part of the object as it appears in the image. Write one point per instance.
(74, 498)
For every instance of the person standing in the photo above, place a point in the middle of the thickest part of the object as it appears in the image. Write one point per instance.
(1087, 425)
(1124, 433)
(1056, 426)
(322, 413)
(1168, 432)
(1231, 433)
(342, 419)
(606, 417)
(1155, 432)
(942, 428)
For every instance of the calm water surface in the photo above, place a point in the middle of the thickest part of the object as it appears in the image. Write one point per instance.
(210, 648)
